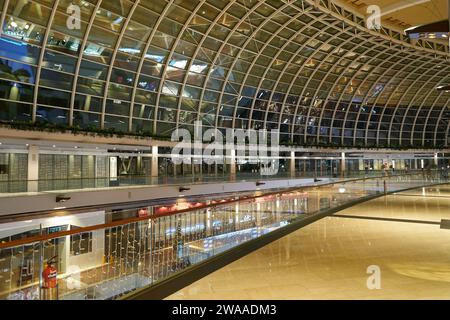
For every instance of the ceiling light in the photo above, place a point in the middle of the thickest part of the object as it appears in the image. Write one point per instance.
(443, 87)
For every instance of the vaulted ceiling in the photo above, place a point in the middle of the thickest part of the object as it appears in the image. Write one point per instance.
(307, 68)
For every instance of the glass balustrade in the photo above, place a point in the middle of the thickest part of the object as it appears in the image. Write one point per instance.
(108, 260)
(9, 187)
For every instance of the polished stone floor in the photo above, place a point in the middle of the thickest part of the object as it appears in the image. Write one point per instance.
(329, 259)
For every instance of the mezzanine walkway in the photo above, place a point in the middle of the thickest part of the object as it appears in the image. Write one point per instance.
(328, 259)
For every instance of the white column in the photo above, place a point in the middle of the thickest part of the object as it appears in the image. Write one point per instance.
(436, 159)
(258, 217)
(155, 161)
(112, 168)
(208, 221)
(292, 164)
(233, 163)
(342, 162)
(33, 168)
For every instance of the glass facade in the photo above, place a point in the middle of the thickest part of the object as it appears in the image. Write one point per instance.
(149, 67)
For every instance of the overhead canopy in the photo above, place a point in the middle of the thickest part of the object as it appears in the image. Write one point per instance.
(313, 72)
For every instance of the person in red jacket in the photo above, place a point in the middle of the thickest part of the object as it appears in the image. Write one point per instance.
(50, 281)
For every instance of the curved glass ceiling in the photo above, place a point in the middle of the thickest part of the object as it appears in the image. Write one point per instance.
(151, 66)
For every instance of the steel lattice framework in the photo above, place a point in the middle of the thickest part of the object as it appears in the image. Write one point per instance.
(308, 68)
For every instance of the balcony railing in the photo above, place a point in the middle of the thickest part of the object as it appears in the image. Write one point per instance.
(106, 261)
(22, 186)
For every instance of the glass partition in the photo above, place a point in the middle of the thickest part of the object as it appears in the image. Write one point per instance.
(109, 258)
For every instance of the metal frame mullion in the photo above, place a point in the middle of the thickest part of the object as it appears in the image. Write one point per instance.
(398, 54)
(344, 30)
(80, 57)
(195, 54)
(41, 58)
(341, 95)
(288, 91)
(314, 72)
(399, 103)
(310, 77)
(410, 105)
(446, 133)
(379, 95)
(363, 81)
(437, 125)
(418, 111)
(383, 74)
(403, 43)
(142, 60)
(244, 45)
(365, 98)
(113, 58)
(433, 105)
(334, 84)
(299, 101)
(224, 42)
(269, 66)
(166, 65)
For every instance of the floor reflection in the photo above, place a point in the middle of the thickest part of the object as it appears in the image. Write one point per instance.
(330, 258)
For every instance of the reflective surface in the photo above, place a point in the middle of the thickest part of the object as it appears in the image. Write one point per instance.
(13, 188)
(116, 256)
(149, 66)
(329, 259)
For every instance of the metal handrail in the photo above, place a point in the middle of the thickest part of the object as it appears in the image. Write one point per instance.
(287, 173)
(59, 234)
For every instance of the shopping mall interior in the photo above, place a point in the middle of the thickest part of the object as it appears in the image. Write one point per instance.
(224, 149)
